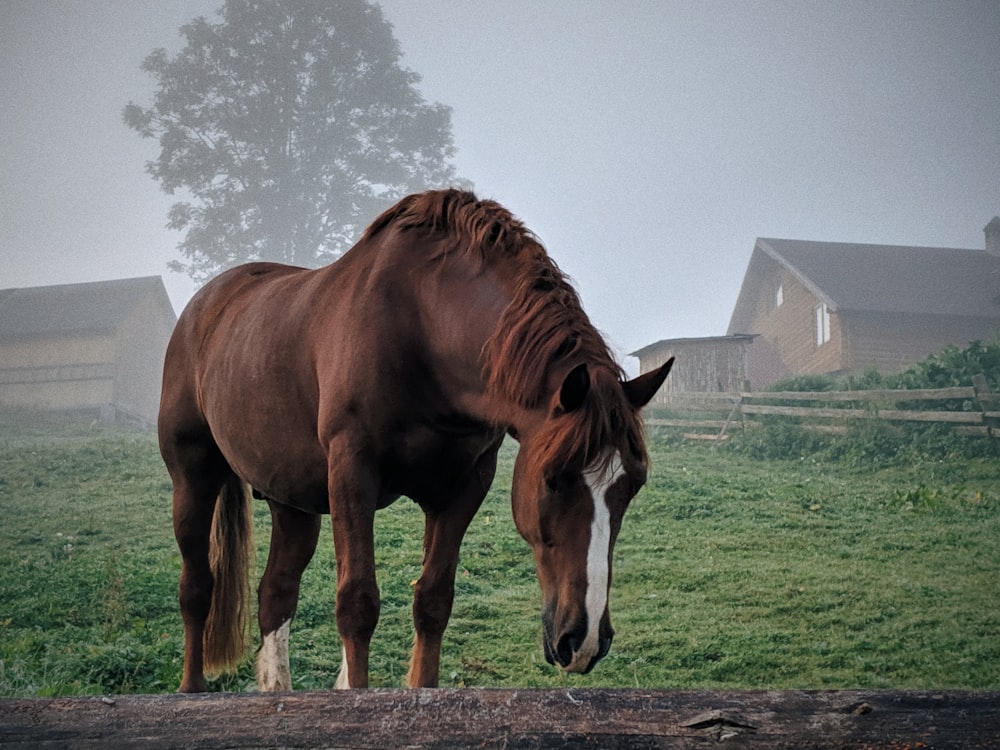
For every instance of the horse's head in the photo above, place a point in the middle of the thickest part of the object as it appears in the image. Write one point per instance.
(574, 477)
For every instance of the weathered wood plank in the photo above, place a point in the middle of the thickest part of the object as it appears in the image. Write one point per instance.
(916, 394)
(977, 430)
(510, 719)
(704, 436)
(989, 400)
(952, 417)
(710, 423)
(719, 398)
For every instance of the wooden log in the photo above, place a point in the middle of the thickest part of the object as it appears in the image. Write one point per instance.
(454, 718)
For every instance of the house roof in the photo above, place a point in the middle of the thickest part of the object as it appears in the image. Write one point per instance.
(699, 340)
(74, 309)
(878, 278)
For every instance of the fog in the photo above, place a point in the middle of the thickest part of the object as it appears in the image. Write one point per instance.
(647, 143)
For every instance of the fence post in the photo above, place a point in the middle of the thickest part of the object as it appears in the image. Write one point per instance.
(732, 413)
(990, 404)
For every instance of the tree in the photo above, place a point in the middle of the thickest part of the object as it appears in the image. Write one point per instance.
(289, 125)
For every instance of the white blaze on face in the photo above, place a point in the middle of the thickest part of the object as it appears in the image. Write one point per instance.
(273, 672)
(598, 482)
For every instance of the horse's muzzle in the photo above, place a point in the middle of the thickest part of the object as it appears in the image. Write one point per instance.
(572, 653)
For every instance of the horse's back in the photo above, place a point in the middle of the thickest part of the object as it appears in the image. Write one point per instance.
(227, 295)
(205, 323)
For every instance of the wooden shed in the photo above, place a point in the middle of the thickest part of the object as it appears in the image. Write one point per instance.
(833, 307)
(701, 365)
(92, 348)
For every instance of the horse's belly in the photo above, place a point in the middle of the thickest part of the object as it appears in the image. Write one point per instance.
(282, 470)
(310, 498)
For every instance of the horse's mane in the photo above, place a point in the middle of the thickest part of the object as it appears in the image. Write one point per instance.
(544, 325)
(475, 226)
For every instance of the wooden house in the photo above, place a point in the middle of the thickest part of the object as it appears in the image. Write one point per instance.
(835, 308)
(91, 348)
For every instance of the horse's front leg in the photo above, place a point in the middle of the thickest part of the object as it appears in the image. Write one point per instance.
(435, 590)
(353, 497)
(294, 535)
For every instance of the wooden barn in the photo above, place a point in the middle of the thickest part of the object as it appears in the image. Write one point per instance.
(701, 365)
(93, 348)
(827, 307)
(836, 308)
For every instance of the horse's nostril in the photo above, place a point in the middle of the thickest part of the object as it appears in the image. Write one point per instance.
(569, 643)
(605, 647)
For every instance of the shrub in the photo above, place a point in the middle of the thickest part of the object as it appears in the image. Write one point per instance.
(871, 441)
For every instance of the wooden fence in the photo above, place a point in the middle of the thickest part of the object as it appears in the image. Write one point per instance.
(713, 416)
(466, 718)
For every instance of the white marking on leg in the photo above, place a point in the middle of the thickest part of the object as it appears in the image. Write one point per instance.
(273, 672)
(343, 681)
(597, 560)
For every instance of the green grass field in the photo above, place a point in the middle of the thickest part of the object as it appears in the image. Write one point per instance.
(729, 572)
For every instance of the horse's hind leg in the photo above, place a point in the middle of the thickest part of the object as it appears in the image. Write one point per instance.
(293, 541)
(198, 473)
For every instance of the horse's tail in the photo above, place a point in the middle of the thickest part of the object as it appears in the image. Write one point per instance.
(231, 556)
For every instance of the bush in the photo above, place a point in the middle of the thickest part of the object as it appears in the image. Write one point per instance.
(951, 367)
(954, 367)
(871, 441)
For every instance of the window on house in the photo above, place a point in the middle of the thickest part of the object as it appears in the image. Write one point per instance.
(779, 295)
(822, 324)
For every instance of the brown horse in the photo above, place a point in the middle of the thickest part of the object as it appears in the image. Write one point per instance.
(395, 371)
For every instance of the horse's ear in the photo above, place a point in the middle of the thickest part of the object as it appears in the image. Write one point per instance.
(641, 390)
(574, 389)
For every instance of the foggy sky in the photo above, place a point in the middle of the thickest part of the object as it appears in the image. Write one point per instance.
(647, 143)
